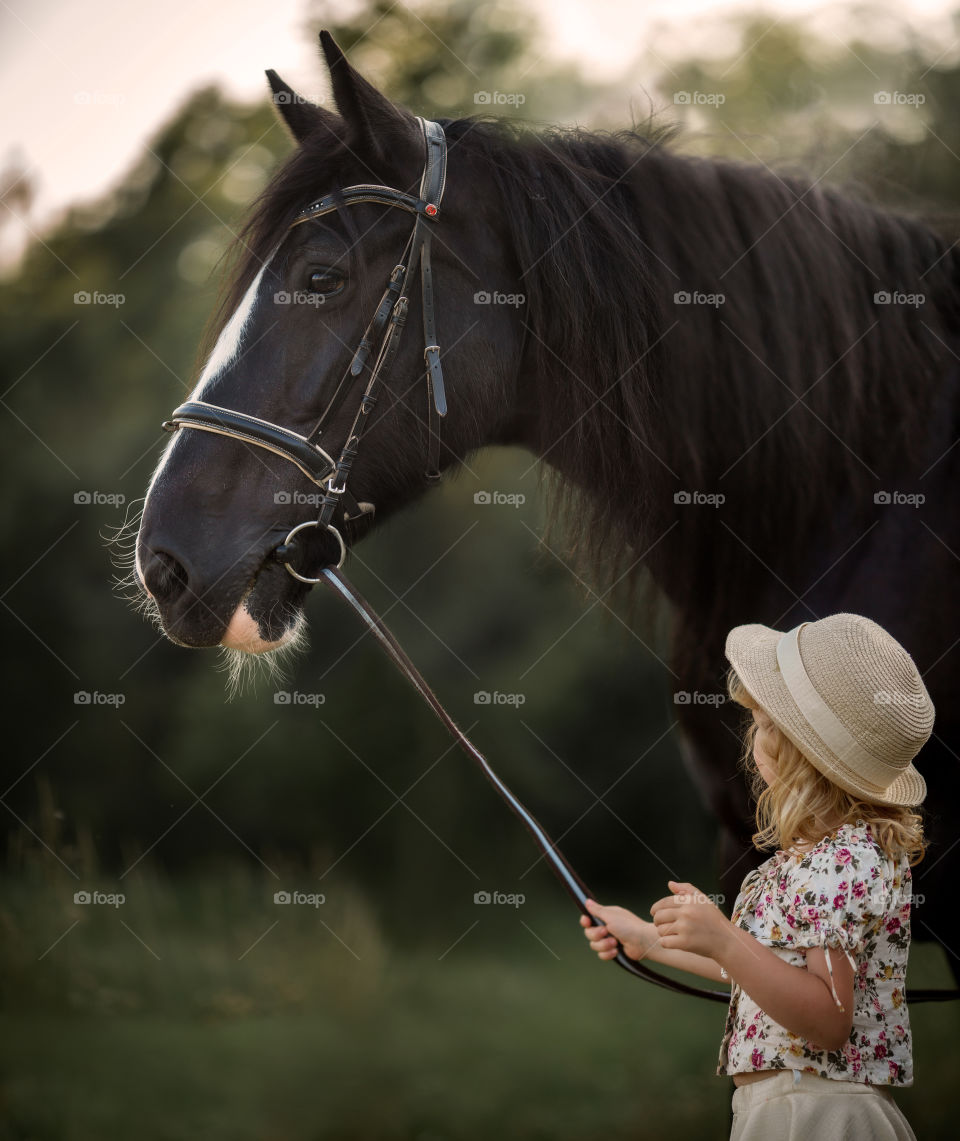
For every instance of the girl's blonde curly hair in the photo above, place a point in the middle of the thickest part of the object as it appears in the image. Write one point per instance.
(801, 804)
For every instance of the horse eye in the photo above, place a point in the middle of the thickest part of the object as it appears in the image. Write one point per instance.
(325, 282)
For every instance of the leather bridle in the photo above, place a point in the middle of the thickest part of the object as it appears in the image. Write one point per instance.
(319, 466)
(382, 334)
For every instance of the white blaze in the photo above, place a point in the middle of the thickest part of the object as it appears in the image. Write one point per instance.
(224, 352)
(242, 632)
(231, 336)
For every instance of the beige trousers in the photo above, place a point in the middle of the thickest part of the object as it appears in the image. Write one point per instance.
(796, 1106)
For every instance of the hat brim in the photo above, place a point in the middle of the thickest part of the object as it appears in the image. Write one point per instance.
(752, 651)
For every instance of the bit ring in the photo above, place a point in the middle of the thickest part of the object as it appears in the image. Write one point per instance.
(302, 526)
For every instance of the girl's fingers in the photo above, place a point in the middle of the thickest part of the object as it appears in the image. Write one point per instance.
(608, 943)
(601, 941)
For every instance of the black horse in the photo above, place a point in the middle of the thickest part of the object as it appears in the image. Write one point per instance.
(743, 384)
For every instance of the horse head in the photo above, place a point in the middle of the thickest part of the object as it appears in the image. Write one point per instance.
(264, 443)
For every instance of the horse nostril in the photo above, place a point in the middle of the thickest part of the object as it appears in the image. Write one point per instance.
(164, 577)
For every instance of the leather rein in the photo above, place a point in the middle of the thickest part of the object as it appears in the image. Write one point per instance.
(564, 872)
(337, 503)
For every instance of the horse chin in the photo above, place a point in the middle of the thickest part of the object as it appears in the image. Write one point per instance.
(243, 633)
(252, 650)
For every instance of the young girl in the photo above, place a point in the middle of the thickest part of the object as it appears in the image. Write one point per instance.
(814, 1040)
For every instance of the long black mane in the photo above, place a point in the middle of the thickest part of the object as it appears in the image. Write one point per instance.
(641, 397)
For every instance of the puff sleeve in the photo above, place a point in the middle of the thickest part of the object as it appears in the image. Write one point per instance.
(833, 897)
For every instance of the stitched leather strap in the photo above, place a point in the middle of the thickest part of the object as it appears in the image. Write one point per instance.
(310, 458)
(382, 195)
(434, 177)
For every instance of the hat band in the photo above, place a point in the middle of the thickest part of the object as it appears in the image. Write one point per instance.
(828, 727)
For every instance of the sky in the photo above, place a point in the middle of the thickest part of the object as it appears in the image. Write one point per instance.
(84, 85)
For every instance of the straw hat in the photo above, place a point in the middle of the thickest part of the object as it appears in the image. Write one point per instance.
(848, 695)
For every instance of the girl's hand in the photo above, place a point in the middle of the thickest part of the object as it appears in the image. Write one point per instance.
(688, 921)
(617, 923)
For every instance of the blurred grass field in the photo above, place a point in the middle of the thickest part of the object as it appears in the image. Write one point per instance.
(201, 1008)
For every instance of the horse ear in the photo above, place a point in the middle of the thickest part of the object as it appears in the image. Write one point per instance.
(377, 128)
(301, 117)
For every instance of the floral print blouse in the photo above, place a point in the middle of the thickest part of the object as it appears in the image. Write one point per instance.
(844, 893)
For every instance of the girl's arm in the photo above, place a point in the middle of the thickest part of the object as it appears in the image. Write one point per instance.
(641, 941)
(686, 961)
(798, 998)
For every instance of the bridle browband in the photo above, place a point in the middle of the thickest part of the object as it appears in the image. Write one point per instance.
(320, 467)
(382, 334)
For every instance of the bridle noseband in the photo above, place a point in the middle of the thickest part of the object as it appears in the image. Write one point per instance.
(382, 335)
